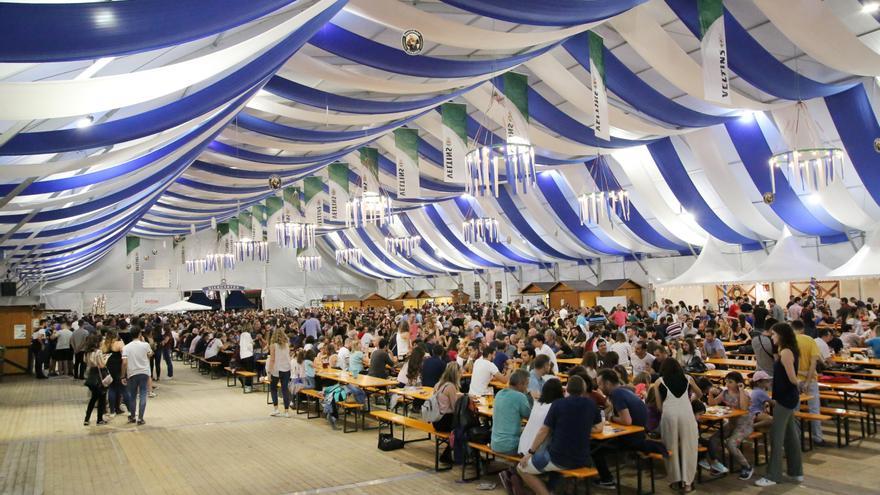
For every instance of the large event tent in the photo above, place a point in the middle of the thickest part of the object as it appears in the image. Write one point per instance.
(126, 152)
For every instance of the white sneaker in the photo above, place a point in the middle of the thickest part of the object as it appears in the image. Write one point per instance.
(275, 413)
(704, 464)
(285, 415)
(152, 395)
(248, 390)
(764, 482)
(797, 479)
(720, 468)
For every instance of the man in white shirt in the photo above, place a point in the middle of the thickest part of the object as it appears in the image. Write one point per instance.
(136, 358)
(38, 343)
(194, 343)
(343, 356)
(484, 372)
(215, 346)
(63, 354)
(246, 357)
(539, 343)
(622, 348)
(833, 304)
(794, 311)
(822, 341)
(641, 360)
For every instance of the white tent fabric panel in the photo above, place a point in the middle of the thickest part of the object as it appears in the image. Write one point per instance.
(181, 306)
(866, 261)
(711, 267)
(786, 262)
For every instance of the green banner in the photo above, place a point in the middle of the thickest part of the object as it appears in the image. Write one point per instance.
(710, 11)
(222, 229)
(455, 139)
(406, 144)
(312, 187)
(260, 214)
(233, 226)
(245, 222)
(274, 204)
(370, 163)
(131, 243)
(291, 197)
(516, 89)
(338, 173)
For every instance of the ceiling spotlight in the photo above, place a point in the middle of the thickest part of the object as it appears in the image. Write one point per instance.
(870, 7)
(688, 216)
(84, 121)
(814, 199)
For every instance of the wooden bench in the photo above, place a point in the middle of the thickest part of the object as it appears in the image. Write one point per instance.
(576, 474)
(389, 418)
(210, 367)
(310, 394)
(808, 432)
(232, 373)
(870, 402)
(841, 416)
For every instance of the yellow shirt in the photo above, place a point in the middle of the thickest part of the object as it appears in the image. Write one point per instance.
(807, 350)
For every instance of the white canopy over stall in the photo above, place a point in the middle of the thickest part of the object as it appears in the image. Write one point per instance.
(865, 263)
(181, 306)
(711, 267)
(786, 262)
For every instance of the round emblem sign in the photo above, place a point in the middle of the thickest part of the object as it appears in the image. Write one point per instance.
(413, 42)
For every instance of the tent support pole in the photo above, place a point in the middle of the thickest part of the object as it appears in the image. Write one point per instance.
(639, 262)
(593, 271)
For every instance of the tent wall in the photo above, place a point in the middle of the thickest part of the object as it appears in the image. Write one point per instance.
(281, 281)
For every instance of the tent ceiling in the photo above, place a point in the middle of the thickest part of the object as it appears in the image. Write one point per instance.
(159, 163)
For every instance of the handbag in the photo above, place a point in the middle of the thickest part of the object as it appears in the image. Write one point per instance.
(388, 443)
(106, 380)
(431, 409)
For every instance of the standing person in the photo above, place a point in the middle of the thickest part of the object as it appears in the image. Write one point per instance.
(117, 393)
(137, 355)
(278, 367)
(63, 351)
(568, 424)
(678, 426)
(763, 347)
(96, 364)
(164, 344)
(776, 312)
(783, 430)
(311, 327)
(38, 343)
(246, 356)
(808, 358)
(77, 342)
(402, 340)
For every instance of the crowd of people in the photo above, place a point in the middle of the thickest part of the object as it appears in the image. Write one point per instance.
(637, 367)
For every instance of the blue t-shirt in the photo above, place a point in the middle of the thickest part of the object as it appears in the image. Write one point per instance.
(356, 363)
(875, 345)
(624, 398)
(432, 369)
(571, 420)
(511, 407)
(757, 400)
(536, 383)
(500, 360)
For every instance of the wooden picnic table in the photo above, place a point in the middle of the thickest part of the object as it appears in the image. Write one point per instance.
(418, 393)
(856, 388)
(867, 373)
(716, 414)
(359, 381)
(722, 374)
(569, 361)
(728, 344)
(863, 362)
(733, 363)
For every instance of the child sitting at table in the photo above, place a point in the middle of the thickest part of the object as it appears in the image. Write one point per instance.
(733, 396)
(759, 400)
(641, 383)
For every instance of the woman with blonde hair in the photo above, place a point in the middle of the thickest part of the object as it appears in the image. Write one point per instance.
(278, 368)
(447, 390)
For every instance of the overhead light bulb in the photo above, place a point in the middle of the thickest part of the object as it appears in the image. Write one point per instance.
(86, 121)
(688, 216)
(748, 115)
(814, 199)
(870, 7)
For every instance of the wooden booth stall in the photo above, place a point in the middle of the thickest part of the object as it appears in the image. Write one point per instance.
(376, 300)
(341, 301)
(17, 323)
(575, 293)
(536, 292)
(410, 298)
(622, 287)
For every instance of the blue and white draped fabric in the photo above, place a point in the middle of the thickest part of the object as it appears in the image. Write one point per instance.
(284, 88)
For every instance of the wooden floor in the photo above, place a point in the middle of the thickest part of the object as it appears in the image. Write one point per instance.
(204, 438)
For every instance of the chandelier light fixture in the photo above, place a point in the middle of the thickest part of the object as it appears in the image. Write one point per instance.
(296, 235)
(309, 262)
(811, 165)
(250, 248)
(481, 229)
(609, 200)
(402, 246)
(516, 158)
(349, 256)
(369, 208)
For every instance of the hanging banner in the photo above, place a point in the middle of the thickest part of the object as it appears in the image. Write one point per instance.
(406, 144)
(476, 290)
(222, 230)
(498, 292)
(369, 169)
(233, 227)
(600, 94)
(132, 243)
(292, 199)
(274, 214)
(245, 225)
(338, 185)
(258, 212)
(455, 140)
(713, 48)
(313, 191)
(516, 106)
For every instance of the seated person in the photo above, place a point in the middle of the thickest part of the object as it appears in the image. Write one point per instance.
(550, 392)
(568, 425)
(539, 374)
(627, 409)
(511, 407)
(712, 347)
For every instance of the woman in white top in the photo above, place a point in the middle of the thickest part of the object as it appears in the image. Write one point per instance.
(278, 367)
(402, 340)
(551, 391)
